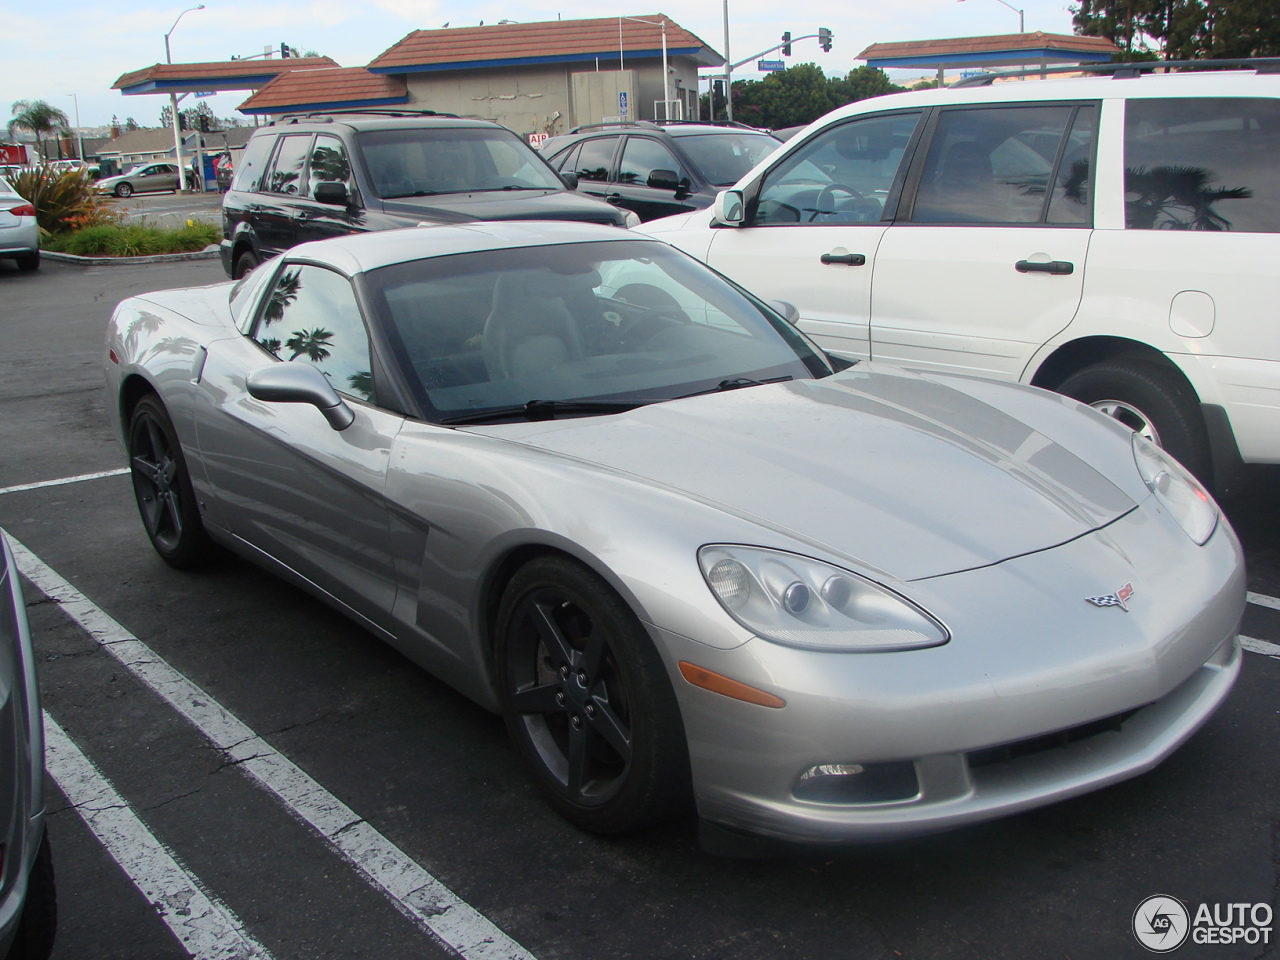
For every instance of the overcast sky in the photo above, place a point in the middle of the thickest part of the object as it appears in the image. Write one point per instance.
(55, 48)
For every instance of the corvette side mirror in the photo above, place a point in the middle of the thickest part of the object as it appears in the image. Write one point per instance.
(291, 382)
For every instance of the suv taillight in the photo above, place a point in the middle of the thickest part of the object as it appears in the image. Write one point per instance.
(23, 210)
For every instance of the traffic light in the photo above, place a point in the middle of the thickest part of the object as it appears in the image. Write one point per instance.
(285, 50)
(182, 120)
(786, 44)
(824, 39)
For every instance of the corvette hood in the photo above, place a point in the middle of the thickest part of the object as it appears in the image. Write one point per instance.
(504, 205)
(894, 471)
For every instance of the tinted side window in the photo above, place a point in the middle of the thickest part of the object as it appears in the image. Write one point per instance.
(311, 314)
(249, 172)
(1202, 164)
(641, 156)
(844, 175)
(595, 159)
(991, 165)
(1072, 197)
(564, 160)
(287, 168)
(329, 162)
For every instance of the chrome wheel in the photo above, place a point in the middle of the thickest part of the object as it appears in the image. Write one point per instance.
(1130, 416)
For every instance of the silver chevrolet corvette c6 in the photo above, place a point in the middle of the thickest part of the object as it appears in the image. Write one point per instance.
(693, 560)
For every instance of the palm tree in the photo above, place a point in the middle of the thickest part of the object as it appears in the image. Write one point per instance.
(40, 118)
(313, 343)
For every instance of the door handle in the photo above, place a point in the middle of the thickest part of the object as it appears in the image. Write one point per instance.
(614, 198)
(1058, 267)
(849, 259)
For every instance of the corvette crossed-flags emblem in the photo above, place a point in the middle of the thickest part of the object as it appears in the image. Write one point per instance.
(1118, 599)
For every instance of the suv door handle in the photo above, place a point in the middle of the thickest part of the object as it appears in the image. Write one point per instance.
(614, 198)
(849, 259)
(1059, 267)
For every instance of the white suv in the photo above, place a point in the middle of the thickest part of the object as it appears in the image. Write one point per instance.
(1114, 239)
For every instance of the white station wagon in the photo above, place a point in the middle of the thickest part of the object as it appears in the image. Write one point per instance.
(1116, 239)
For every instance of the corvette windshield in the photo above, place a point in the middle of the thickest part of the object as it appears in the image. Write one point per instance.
(630, 321)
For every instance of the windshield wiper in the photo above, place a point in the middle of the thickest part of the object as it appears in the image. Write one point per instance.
(416, 193)
(547, 410)
(733, 383)
(508, 187)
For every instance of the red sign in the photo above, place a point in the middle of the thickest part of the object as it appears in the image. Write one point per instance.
(536, 139)
(13, 153)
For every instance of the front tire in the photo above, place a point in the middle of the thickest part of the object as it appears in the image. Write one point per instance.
(1151, 401)
(162, 487)
(124, 190)
(34, 937)
(587, 700)
(246, 263)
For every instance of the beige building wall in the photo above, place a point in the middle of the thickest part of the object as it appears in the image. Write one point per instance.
(540, 99)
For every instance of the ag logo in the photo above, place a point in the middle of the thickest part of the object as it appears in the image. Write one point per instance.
(1161, 924)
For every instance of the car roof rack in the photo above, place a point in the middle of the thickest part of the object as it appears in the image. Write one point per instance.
(357, 112)
(659, 124)
(1127, 70)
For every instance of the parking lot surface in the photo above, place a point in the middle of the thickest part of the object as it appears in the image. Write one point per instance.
(244, 773)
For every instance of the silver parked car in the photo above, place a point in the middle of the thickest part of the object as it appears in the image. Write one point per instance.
(28, 905)
(19, 232)
(690, 557)
(141, 178)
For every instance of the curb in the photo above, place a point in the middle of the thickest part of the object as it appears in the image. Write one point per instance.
(207, 254)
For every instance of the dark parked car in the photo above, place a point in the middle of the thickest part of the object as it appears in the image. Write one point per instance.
(657, 170)
(320, 177)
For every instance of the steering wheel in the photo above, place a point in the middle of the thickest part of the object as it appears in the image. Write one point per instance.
(828, 196)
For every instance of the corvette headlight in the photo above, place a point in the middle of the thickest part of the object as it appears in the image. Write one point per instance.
(1177, 490)
(632, 220)
(800, 602)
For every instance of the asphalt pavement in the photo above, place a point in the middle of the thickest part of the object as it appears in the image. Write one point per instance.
(261, 778)
(169, 209)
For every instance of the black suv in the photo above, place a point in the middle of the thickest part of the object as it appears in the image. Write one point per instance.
(658, 169)
(310, 178)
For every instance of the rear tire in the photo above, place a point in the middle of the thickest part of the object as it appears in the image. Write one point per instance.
(29, 261)
(1149, 400)
(162, 487)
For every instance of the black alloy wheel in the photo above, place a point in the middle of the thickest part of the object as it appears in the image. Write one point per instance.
(587, 700)
(163, 489)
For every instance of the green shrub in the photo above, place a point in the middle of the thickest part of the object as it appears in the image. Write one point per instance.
(64, 199)
(133, 240)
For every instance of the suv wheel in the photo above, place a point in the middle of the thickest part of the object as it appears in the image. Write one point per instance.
(1151, 401)
(245, 264)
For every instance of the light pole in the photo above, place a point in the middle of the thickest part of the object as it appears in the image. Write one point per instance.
(79, 135)
(173, 105)
(666, 84)
(1022, 14)
(728, 72)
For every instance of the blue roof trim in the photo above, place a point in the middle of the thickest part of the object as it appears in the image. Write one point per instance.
(186, 85)
(532, 61)
(329, 105)
(1051, 54)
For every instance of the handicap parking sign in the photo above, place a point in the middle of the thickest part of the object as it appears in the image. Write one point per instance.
(622, 102)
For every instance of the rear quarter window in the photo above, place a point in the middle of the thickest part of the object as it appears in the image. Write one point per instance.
(1202, 164)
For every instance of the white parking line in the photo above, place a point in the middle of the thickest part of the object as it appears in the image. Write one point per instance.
(206, 927)
(414, 891)
(60, 482)
(1262, 600)
(1260, 646)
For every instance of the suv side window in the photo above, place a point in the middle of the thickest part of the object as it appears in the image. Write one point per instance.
(287, 169)
(999, 165)
(846, 174)
(1202, 164)
(596, 159)
(312, 315)
(641, 156)
(249, 171)
(329, 162)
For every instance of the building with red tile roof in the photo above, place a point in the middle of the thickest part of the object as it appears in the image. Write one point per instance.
(1008, 50)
